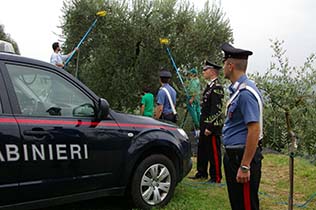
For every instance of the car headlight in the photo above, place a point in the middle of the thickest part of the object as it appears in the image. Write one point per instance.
(183, 133)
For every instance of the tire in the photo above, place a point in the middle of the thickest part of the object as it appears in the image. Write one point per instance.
(153, 182)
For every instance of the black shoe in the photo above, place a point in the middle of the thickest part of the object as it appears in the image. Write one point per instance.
(198, 176)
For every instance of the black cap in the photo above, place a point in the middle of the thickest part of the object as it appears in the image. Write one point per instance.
(165, 73)
(209, 65)
(232, 52)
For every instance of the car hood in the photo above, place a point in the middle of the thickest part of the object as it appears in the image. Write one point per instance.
(122, 118)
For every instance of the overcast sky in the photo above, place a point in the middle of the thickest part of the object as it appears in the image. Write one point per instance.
(33, 25)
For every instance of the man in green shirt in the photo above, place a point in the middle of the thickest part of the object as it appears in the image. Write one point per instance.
(194, 90)
(147, 103)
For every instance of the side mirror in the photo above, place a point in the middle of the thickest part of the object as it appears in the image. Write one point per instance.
(83, 110)
(103, 109)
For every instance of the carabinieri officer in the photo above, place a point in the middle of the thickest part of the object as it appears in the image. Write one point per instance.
(242, 132)
(211, 122)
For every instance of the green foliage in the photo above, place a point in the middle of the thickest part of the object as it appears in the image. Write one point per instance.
(6, 37)
(289, 90)
(123, 53)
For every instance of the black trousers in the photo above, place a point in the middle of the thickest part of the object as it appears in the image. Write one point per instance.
(242, 196)
(170, 117)
(209, 151)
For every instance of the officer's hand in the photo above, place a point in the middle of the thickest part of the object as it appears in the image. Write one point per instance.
(242, 177)
(207, 132)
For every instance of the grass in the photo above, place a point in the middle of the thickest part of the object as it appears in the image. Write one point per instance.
(273, 193)
(198, 195)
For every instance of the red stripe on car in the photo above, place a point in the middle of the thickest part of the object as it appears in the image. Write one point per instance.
(79, 122)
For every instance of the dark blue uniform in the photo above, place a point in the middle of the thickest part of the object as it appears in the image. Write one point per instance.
(209, 147)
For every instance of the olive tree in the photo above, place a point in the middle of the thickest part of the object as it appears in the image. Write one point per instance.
(289, 94)
(123, 52)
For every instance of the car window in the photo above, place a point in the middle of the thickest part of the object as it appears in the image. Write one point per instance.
(43, 93)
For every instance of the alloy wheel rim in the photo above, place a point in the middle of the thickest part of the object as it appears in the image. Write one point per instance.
(155, 184)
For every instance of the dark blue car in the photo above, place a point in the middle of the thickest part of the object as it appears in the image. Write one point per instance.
(59, 143)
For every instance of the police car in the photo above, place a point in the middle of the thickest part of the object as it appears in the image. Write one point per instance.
(59, 142)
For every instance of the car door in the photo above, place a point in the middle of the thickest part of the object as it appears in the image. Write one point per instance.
(65, 150)
(10, 143)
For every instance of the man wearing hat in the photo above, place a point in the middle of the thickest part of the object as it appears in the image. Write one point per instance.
(194, 90)
(211, 123)
(241, 132)
(166, 99)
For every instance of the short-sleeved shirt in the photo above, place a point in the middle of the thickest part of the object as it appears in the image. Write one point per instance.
(162, 98)
(148, 102)
(243, 109)
(57, 58)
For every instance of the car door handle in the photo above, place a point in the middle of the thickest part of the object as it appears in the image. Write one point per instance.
(36, 133)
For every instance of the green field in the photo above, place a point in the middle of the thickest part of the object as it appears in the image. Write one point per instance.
(198, 195)
(274, 188)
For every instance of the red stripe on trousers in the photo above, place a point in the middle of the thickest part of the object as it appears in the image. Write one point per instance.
(218, 178)
(247, 196)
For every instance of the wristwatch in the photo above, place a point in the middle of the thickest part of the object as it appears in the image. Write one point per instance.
(245, 169)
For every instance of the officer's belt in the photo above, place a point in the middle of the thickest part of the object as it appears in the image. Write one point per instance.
(167, 114)
(238, 146)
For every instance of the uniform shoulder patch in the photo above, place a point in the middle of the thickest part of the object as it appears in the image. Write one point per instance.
(242, 86)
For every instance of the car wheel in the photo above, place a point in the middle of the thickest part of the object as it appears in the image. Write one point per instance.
(153, 182)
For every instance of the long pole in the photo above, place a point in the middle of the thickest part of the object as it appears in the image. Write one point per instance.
(182, 83)
(291, 169)
(177, 71)
(83, 38)
(77, 66)
(293, 146)
(99, 14)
